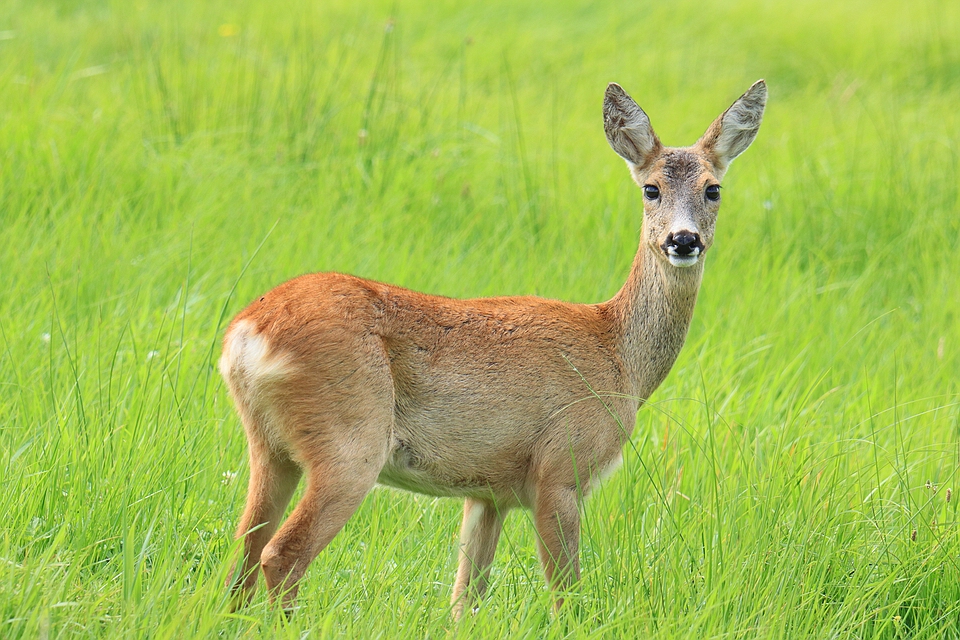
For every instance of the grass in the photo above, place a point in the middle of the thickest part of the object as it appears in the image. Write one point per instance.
(163, 163)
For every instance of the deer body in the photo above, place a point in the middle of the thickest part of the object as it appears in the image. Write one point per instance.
(507, 402)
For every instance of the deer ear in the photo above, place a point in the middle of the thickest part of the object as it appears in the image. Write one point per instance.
(735, 129)
(628, 127)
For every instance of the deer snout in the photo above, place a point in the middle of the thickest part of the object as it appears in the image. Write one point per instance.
(684, 243)
(682, 248)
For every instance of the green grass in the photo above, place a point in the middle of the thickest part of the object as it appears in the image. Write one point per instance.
(163, 163)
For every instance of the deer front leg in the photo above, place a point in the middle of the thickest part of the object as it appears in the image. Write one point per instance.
(482, 523)
(557, 519)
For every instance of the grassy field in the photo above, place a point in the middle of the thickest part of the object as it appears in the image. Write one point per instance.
(163, 163)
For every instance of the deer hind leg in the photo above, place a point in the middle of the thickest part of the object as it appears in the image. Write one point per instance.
(482, 523)
(326, 402)
(557, 519)
(335, 488)
(342, 445)
(273, 479)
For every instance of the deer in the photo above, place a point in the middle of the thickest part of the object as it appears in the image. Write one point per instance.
(505, 402)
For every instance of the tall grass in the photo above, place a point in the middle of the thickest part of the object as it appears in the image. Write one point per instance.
(162, 164)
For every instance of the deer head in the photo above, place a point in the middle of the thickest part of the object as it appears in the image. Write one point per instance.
(681, 186)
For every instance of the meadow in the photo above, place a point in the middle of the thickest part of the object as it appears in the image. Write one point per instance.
(161, 164)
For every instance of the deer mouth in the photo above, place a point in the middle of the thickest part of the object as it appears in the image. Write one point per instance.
(680, 256)
(683, 247)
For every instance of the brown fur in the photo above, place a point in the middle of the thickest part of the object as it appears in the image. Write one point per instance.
(507, 402)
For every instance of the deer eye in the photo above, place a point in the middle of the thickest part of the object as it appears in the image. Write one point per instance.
(713, 192)
(651, 192)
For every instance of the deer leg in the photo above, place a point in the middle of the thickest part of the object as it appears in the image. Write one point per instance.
(479, 533)
(273, 478)
(557, 519)
(335, 488)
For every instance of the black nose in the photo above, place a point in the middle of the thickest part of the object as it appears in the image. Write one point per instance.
(684, 242)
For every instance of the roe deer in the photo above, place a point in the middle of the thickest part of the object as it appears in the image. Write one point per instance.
(506, 402)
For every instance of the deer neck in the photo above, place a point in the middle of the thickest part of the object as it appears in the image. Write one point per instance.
(651, 315)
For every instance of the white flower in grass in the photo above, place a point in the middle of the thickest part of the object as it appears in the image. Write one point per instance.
(152, 354)
(36, 523)
(45, 337)
(227, 477)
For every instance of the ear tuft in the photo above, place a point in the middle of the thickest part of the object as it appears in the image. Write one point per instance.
(628, 127)
(737, 127)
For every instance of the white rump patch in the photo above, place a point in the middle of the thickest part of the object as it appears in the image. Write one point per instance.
(247, 355)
